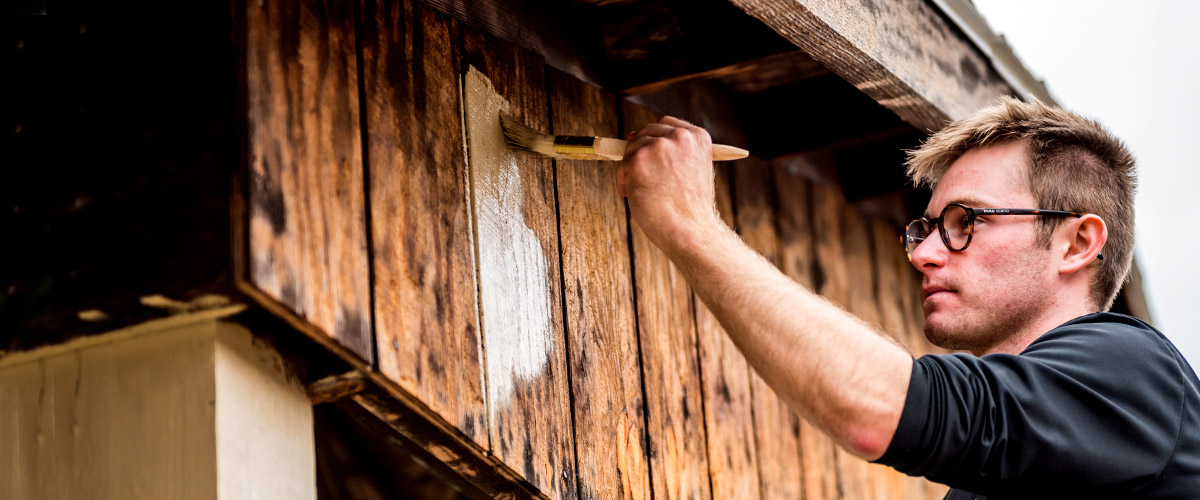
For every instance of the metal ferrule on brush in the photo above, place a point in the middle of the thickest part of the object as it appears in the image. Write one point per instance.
(574, 145)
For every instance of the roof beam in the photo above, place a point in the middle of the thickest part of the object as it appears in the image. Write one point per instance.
(902, 53)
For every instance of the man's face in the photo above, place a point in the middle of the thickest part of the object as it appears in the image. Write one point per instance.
(975, 299)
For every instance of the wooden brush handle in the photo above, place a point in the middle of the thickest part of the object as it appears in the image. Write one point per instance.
(614, 149)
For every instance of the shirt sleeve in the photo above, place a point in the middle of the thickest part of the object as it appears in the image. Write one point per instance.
(1081, 406)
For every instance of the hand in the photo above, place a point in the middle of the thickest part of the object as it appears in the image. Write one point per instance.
(667, 174)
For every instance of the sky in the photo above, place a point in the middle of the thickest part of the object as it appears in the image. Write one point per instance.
(1135, 67)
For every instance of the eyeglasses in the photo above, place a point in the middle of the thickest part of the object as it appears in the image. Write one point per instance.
(956, 225)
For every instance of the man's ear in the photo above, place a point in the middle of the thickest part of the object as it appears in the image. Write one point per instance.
(1085, 239)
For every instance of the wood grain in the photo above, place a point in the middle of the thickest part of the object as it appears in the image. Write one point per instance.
(728, 406)
(797, 259)
(903, 54)
(308, 245)
(426, 326)
(895, 298)
(834, 263)
(670, 363)
(517, 259)
(606, 383)
(889, 257)
(878, 481)
(776, 427)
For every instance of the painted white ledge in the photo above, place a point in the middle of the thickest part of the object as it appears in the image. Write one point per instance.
(188, 408)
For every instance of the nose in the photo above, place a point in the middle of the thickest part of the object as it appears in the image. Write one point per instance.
(929, 253)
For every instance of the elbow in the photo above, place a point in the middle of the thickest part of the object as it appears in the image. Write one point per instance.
(867, 443)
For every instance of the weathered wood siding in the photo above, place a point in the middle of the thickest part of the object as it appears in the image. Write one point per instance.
(308, 229)
(370, 218)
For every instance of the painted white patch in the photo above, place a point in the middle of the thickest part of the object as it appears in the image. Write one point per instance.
(514, 292)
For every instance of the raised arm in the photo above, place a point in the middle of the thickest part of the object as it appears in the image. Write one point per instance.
(831, 367)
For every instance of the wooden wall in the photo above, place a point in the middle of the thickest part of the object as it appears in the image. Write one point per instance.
(363, 222)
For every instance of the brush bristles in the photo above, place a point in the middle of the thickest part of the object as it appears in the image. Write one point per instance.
(522, 138)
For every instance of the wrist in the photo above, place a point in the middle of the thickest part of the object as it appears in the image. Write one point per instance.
(701, 241)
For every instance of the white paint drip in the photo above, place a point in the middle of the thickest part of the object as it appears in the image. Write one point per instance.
(513, 270)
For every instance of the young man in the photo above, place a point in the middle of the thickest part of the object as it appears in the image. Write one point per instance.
(1026, 240)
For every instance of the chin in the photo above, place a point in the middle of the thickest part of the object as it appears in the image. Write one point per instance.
(940, 333)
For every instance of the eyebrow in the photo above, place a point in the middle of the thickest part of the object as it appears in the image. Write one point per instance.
(969, 201)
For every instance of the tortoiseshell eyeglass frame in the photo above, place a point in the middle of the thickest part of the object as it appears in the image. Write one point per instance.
(906, 239)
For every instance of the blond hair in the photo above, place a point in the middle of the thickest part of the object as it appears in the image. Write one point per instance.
(1074, 164)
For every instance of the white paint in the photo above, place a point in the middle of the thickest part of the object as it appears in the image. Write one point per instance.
(135, 414)
(263, 421)
(514, 292)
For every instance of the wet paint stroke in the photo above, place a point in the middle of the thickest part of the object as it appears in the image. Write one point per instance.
(514, 287)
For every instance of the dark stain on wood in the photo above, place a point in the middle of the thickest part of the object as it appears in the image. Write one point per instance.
(270, 196)
(427, 336)
(302, 88)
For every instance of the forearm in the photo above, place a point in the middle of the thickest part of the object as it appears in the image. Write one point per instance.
(831, 367)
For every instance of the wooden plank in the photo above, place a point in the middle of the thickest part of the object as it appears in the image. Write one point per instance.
(606, 384)
(892, 295)
(797, 259)
(426, 326)
(308, 245)
(517, 258)
(732, 453)
(670, 363)
(910, 303)
(880, 482)
(903, 54)
(896, 297)
(776, 427)
(829, 219)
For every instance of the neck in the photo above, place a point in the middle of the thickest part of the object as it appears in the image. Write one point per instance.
(1060, 310)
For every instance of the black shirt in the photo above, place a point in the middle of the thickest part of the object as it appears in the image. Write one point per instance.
(1100, 407)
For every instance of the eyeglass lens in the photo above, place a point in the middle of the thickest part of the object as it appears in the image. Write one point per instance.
(955, 229)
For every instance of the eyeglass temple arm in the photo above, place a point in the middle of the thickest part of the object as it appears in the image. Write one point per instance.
(1032, 211)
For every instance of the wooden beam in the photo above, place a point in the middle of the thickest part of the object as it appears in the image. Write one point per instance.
(745, 77)
(811, 114)
(485, 471)
(653, 43)
(566, 34)
(903, 54)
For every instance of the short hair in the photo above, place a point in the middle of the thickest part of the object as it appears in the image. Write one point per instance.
(1075, 164)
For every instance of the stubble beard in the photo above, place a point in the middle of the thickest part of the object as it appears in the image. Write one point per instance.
(982, 323)
(978, 334)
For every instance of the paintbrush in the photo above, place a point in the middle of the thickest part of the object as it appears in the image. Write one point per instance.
(570, 147)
